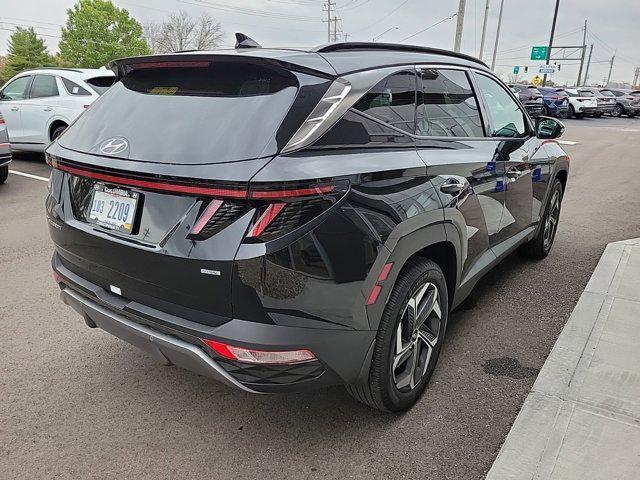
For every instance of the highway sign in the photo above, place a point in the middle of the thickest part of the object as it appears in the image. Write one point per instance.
(516, 70)
(536, 80)
(547, 69)
(539, 53)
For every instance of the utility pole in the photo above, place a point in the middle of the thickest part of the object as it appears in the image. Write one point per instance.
(328, 6)
(636, 76)
(459, 24)
(584, 51)
(586, 72)
(610, 70)
(553, 31)
(495, 47)
(335, 28)
(484, 29)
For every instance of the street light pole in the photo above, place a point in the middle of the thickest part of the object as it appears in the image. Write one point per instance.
(586, 72)
(459, 25)
(495, 47)
(584, 51)
(553, 31)
(610, 70)
(484, 29)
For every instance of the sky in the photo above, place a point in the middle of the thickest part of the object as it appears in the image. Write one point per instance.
(612, 26)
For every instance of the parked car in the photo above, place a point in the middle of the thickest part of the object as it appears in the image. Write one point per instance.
(605, 99)
(626, 104)
(303, 217)
(556, 101)
(531, 98)
(5, 151)
(581, 102)
(38, 105)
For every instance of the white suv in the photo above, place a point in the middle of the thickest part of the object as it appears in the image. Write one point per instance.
(38, 105)
(581, 102)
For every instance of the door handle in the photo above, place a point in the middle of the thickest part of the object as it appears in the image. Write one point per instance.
(47, 109)
(452, 186)
(14, 109)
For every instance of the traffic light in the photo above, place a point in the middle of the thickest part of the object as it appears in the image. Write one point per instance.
(526, 69)
(559, 67)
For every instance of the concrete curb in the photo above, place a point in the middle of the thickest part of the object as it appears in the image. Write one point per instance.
(582, 417)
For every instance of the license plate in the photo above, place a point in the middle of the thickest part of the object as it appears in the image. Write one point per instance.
(113, 208)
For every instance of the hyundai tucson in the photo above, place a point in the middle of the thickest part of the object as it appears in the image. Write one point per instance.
(283, 219)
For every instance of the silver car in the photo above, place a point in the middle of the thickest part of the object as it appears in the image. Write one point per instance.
(5, 151)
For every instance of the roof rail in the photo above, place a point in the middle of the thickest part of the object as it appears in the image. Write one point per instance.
(52, 68)
(346, 46)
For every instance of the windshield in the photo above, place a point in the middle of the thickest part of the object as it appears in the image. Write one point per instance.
(209, 113)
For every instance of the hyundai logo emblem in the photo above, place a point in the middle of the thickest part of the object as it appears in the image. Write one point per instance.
(113, 146)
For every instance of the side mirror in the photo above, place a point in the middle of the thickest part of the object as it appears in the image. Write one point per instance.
(548, 128)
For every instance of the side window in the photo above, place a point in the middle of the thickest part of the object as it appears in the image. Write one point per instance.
(507, 120)
(392, 101)
(16, 90)
(44, 86)
(447, 106)
(73, 88)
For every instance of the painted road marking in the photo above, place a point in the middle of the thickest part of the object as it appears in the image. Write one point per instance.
(567, 142)
(28, 175)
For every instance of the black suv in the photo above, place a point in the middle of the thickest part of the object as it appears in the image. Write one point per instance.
(284, 219)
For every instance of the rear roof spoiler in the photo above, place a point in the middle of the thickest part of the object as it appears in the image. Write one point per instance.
(290, 59)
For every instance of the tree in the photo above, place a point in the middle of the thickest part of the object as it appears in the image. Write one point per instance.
(26, 50)
(97, 32)
(183, 32)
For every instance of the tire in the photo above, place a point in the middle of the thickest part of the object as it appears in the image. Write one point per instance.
(572, 112)
(395, 389)
(540, 245)
(58, 131)
(617, 111)
(4, 174)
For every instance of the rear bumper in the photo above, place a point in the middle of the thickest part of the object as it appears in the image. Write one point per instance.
(534, 109)
(166, 349)
(343, 355)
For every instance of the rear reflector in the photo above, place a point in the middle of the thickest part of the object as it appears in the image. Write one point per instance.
(384, 272)
(248, 355)
(373, 296)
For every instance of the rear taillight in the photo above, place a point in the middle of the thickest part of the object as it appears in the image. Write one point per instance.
(1, 119)
(268, 357)
(282, 209)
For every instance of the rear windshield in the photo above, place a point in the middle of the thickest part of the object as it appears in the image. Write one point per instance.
(206, 112)
(585, 93)
(100, 84)
(607, 93)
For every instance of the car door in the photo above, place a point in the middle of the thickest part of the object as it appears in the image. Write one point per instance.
(515, 144)
(39, 108)
(460, 160)
(11, 103)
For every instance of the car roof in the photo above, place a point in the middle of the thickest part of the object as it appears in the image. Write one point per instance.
(82, 73)
(331, 59)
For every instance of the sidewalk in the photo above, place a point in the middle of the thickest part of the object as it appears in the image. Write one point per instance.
(582, 418)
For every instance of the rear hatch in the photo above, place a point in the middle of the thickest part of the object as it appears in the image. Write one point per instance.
(533, 95)
(151, 184)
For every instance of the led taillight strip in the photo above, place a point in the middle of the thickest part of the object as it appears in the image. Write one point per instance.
(155, 185)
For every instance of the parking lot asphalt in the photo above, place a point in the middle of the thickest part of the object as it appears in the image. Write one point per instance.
(79, 403)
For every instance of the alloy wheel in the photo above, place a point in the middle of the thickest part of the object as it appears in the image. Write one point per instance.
(416, 337)
(617, 111)
(551, 222)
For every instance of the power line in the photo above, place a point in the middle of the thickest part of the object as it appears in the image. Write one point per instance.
(429, 27)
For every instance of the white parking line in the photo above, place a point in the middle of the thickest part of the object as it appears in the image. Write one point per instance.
(28, 175)
(567, 142)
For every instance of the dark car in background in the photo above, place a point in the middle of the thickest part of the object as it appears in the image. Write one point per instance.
(556, 101)
(303, 217)
(606, 100)
(626, 103)
(531, 98)
(5, 151)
